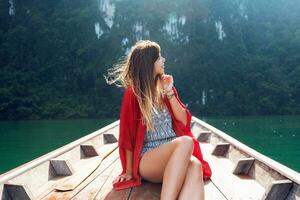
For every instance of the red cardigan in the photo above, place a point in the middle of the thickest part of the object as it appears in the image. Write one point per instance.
(131, 136)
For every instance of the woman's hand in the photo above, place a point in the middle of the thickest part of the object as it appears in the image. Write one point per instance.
(167, 82)
(124, 177)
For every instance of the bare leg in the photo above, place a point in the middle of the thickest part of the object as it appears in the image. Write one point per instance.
(176, 169)
(168, 163)
(193, 187)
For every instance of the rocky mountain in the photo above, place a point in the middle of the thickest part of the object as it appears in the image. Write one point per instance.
(234, 57)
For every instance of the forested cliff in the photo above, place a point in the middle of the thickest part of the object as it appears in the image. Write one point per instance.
(227, 57)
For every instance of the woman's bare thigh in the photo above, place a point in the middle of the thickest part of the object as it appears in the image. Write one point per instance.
(153, 162)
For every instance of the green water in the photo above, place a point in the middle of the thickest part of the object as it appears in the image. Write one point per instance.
(21, 141)
(277, 137)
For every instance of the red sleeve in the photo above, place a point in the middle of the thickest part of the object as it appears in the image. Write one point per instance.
(127, 128)
(188, 113)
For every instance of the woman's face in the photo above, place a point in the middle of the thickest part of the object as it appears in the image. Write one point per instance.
(159, 66)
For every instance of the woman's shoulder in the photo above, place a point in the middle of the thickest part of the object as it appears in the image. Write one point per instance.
(129, 93)
(128, 90)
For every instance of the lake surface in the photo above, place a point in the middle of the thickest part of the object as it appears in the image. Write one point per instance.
(277, 137)
(22, 141)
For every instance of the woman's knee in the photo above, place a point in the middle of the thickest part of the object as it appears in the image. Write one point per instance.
(187, 143)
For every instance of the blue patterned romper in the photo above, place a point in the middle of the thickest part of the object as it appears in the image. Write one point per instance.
(163, 131)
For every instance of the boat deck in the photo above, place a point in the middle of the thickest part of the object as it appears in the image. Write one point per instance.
(85, 169)
(100, 187)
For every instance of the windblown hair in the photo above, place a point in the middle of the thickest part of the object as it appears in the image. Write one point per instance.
(136, 70)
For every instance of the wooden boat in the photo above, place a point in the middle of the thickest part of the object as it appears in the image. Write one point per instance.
(85, 168)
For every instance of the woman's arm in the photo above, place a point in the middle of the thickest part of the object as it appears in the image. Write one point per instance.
(128, 162)
(128, 173)
(178, 110)
(127, 130)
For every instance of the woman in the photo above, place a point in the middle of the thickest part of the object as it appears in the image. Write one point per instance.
(155, 140)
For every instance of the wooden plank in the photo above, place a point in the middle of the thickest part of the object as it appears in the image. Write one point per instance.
(151, 191)
(92, 189)
(83, 171)
(117, 195)
(232, 186)
(69, 194)
(39, 180)
(148, 190)
(106, 191)
(211, 192)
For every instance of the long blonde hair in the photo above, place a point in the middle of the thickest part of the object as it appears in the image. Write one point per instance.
(137, 70)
